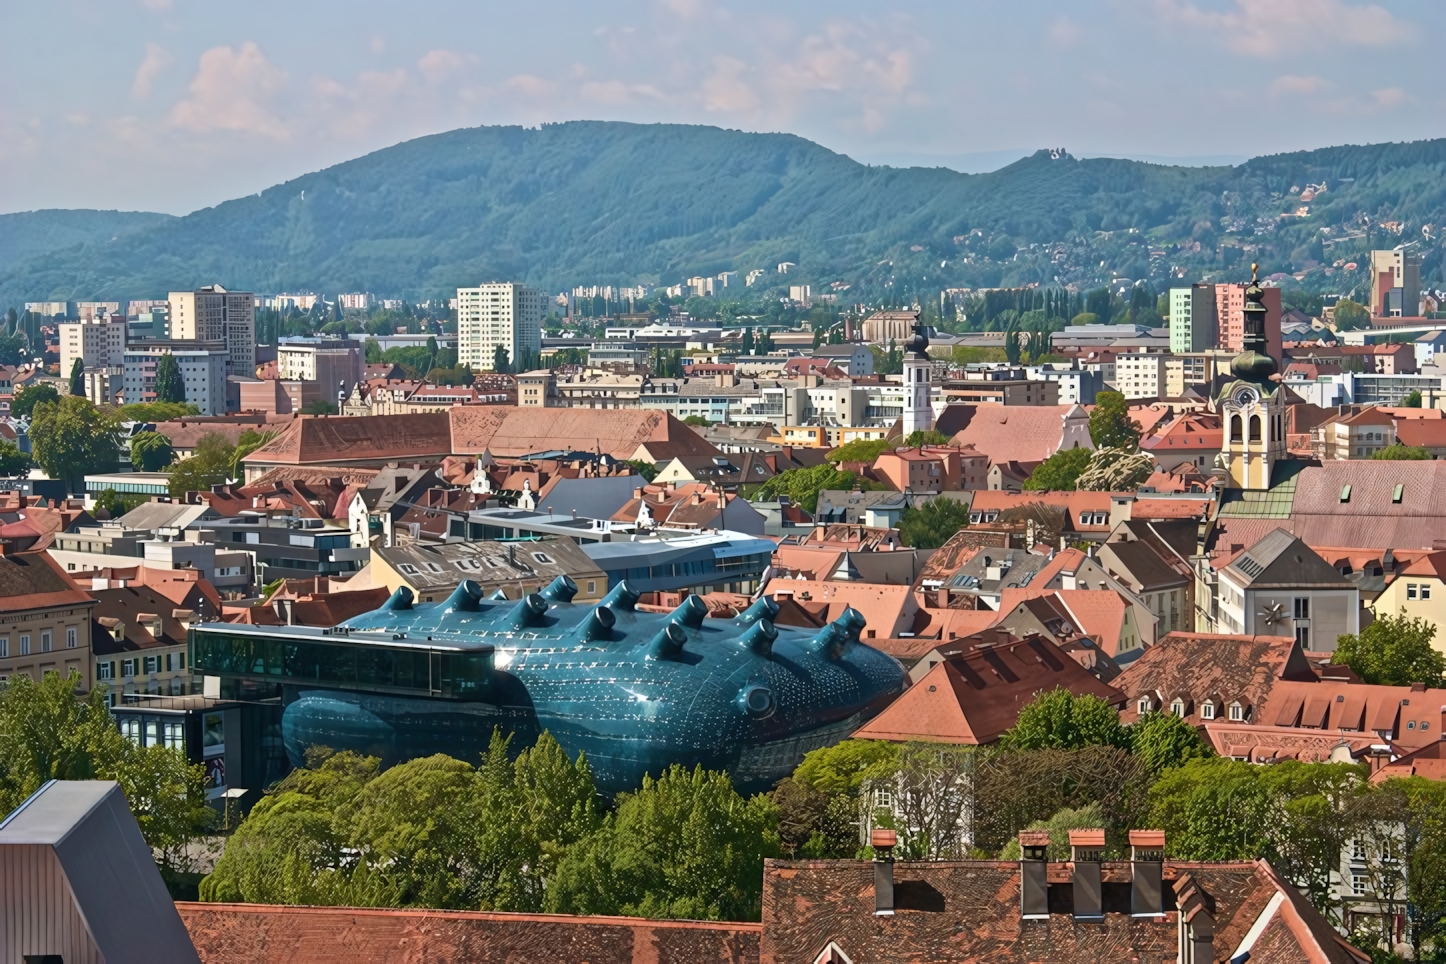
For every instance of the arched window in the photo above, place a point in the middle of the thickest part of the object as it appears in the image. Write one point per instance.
(1235, 434)
(1255, 428)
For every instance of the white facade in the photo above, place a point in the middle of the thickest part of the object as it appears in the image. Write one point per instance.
(918, 412)
(490, 315)
(1192, 318)
(213, 314)
(98, 343)
(1140, 375)
(203, 370)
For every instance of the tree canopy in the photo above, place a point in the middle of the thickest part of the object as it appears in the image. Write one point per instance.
(170, 385)
(29, 396)
(930, 525)
(71, 437)
(77, 377)
(1394, 651)
(802, 486)
(1059, 472)
(1402, 453)
(211, 463)
(151, 452)
(1058, 719)
(1110, 424)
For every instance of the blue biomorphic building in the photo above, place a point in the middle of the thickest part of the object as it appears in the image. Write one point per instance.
(635, 691)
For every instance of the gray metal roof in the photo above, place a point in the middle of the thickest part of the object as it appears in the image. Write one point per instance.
(108, 868)
(1280, 559)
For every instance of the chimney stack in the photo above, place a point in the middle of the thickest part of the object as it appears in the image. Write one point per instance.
(1147, 855)
(1034, 874)
(1085, 847)
(883, 842)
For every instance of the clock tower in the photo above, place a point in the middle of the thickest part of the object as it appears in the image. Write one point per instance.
(1251, 404)
(918, 384)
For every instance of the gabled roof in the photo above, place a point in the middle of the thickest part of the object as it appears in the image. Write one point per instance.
(621, 433)
(33, 580)
(1009, 433)
(320, 439)
(1281, 560)
(1245, 667)
(887, 609)
(974, 697)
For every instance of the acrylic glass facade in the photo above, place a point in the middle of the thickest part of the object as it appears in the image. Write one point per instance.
(634, 691)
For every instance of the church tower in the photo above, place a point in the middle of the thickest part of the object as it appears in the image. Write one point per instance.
(918, 386)
(1251, 404)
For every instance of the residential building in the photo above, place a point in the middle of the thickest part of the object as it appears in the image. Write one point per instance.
(1281, 587)
(1016, 433)
(52, 309)
(1153, 560)
(853, 359)
(203, 371)
(1427, 347)
(1354, 435)
(498, 315)
(932, 469)
(1193, 440)
(432, 573)
(1420, 590)
(1395, 284)
(1192, 318)
(96, 310)
(45, 619)
(800, 294)
(1140, 375)
(1001, 387)
(1390, 359)
(1197, 370)
(213, 314)
(692, 505)
(1230, 318)
(288, 548)
(1077, 385)
(355, 301)
(1426, 433)
(140, 642)
(336, 363)
(98, 343)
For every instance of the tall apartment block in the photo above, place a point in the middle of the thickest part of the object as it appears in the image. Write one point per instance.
(501, 313)
(1230, 319)
(98, 343)
(1395, 284)
(202, 365)
(1192, 318)
(214, 314)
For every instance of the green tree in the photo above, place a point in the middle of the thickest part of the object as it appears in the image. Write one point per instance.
(1089, 817)
(13, 462)
(1412, 399)
(71, 437)
(1085, 318)
(845, 767)
(1350, 315)
(248, 442)
(1394, 651)
(77, 377)
(210, 464)
(1163, 741)
(925, 436)
(500, 360)
(685, 845)
(319, 407)
(1059, 472)
(802, 486)
(697, 421)
(1402, 453)
(156, 411)
(861, 450)
(170, 385)
(930, 525)
(1058, 719)
(151, 452)
(646, 469)
(30, 396)
(1110, 424)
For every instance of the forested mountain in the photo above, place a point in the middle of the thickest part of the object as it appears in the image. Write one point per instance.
(596, 203)
(31, 233)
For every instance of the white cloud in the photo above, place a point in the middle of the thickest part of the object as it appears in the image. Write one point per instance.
(1297, 84)
(617, 92)
(530, 85)
(435, 65)
(725, 89)
(233, 91)
(687, 9)
(1062, 32)
(155, 61)
(1389, 97)
(1269, 28)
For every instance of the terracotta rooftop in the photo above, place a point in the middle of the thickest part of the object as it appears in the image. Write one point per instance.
(974, 697)
(621, 433)
(888, 609)
(1009, 433)
(33, 580)
(262, 934)
(321, 439)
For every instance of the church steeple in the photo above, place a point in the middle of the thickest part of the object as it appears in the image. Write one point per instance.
(1253, 364)
(918, 406)
(1251, 405)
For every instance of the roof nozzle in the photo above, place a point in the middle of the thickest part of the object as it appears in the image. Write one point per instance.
(597, 624)
(466, 598)
(560, 590)
(621, 597)
(668, 643)
(690, 613)
(760, 637)
(399, 600)
(527, 612)
(762, 607)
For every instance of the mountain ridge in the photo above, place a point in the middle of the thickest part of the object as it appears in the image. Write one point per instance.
(601, 202)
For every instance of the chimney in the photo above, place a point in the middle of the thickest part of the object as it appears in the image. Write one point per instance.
(1147, 855)
(1034, 874)
(883, 842)
(1085, 847)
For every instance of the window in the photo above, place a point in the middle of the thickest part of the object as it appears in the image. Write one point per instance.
(1358, 849)
(543, 558)
(1358, 885)
(153, 733)
(1237, 712)
(1144, 705)
(70, 637)
(128, 667)
(45, 642)
(1177, 708)
(24, 645)
(153, 664)
(175, 736)
(131, 729)
(105, 670)
(1207, 710)
(1302, 636)
(1084, 518)
(1302, 607)
(1410, 590)
(4, 646)
(592, 587)
(1425, 590)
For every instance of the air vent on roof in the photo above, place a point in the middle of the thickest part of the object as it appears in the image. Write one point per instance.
(1397, 492)
(1346, 492)
(1250, 567)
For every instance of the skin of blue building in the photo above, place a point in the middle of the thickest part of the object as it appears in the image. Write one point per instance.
(634, 691)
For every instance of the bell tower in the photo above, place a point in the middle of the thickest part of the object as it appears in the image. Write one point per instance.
(1251, 405)
(918, 387)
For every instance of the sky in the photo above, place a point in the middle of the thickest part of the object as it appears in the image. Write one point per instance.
(174, 105)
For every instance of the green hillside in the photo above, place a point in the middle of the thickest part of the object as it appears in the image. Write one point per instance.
(31, 233)
(596, 202)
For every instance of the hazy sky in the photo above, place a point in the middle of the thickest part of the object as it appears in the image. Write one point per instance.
(170, 105)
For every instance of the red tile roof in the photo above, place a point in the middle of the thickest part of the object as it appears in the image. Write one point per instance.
(322, 439)
(974, 697)
(1013, 433)
(621, 433)
(33, 580)
(263, 934)
(888, 609)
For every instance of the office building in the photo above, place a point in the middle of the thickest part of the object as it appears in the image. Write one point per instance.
(203, 370)
(1395, 284)
(98, 343)
(213, 314)
(334, 362)
(1230, 318)
(502, 314)
(1192, 318)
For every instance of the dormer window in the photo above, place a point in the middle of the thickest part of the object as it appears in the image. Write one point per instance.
(1207, 711)
(1237, 712)
(1144, 705)
(1177, 708)
(1084, 518)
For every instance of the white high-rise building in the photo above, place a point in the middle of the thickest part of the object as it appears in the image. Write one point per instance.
(99, 343)
(203, 372)
(214, 314)
(502, 313)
